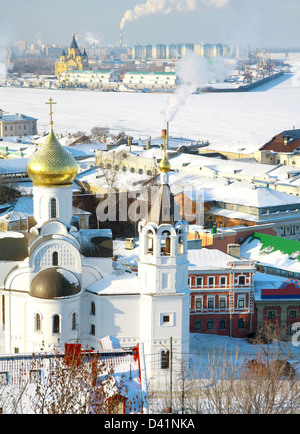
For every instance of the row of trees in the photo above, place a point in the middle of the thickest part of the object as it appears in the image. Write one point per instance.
(229, 383)
(73, 384)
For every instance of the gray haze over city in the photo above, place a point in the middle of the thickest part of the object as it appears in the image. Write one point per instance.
(259, 23)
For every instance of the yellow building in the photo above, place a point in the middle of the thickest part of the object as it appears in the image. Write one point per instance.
(73, 60)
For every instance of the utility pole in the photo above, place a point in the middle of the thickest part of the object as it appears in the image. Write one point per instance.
(171, 379)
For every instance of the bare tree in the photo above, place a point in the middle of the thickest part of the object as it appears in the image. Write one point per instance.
(78, 384)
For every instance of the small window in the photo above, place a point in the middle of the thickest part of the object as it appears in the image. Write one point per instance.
(293, 314)
(93, 308)
(199, 281)
(211, 281)
(74, 321)
(37, 322)
(166, 318)
(210, 324)
(223, 281)
(210, 303)
(271, 314)
(198, 325)
(241, 323)
(56, 325)
(3, 378)
(93, 330)
(55, 259)
(242, 280)
(165, 360)
(222, 325)
(34, 376)
(222, 303)
(198, 303)
(53, 211)
(241, 302)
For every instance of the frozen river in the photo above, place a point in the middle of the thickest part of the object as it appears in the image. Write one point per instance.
(231, 119)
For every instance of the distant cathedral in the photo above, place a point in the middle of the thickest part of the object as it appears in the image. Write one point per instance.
(73, 60)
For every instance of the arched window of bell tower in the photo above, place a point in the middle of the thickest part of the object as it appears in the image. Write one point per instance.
(165, 243)
(149, 242)
(180, 245)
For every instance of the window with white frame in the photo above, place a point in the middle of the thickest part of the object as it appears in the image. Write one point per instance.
(34, 376)
(211, 281)
(199, 281)
(222, 302)
(167, 319)
(3, 378)
(241, 280)
(223, 281)
(210, 302)
(198, 302)
(241, 301)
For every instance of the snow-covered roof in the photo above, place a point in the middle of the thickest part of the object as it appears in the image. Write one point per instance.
(272, 251)
(209, 259)
(123, 283)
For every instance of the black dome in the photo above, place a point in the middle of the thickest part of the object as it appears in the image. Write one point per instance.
(54, 283)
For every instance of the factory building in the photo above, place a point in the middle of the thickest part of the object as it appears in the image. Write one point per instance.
(92, 79)
(150, 80)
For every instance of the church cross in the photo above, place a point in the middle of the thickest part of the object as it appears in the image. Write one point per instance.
(51, 112)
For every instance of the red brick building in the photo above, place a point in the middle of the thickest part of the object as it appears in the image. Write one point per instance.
(280, 308)
(222, 294)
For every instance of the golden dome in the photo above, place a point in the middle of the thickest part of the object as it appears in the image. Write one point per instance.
(164, 165)
(52, 164)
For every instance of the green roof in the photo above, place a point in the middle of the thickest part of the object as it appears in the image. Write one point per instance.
(149, 73)
(285, 246)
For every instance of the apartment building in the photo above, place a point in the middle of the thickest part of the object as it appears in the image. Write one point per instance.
(17, 125)
(222, 293)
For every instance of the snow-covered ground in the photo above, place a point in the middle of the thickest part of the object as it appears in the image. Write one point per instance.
(231, 120)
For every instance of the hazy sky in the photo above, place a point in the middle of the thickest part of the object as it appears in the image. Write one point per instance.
(259, 23)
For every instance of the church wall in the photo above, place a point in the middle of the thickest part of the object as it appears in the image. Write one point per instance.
(115, 315)
(42, 207)
(23, 333)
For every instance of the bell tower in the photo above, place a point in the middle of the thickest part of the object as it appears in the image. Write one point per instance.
(163, 275)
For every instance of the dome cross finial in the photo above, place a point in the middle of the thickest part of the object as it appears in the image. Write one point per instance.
(51, 102)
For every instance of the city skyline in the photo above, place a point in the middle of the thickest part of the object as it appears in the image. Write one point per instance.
(271, 24)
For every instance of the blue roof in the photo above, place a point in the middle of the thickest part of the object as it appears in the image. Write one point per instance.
(16, 117)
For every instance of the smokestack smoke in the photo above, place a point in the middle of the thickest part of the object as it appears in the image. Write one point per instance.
(192, 72)
(166, 7)
(90, 39)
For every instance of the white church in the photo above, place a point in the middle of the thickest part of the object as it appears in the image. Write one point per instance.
(59, 284)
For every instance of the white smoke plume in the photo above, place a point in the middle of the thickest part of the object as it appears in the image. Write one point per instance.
(5, 65)
(92, 39)
(166, 7)
(192, 71)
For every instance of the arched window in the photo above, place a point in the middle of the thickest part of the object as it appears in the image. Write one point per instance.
(37, 322)
(53, 208)
(180, 245)
(149, 242)
(165, 360)
(55, 259)
(166, 243)
(93, 308)
(56, 324)
(74, 321)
